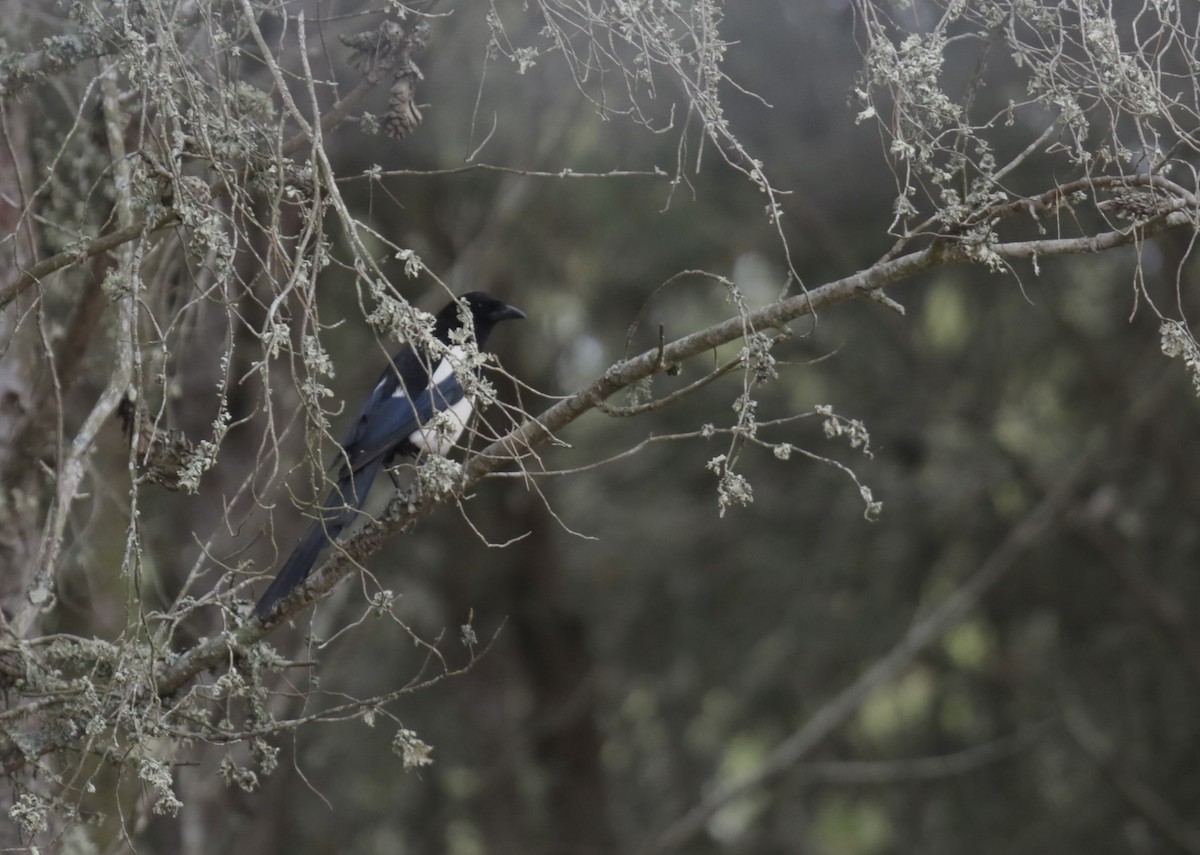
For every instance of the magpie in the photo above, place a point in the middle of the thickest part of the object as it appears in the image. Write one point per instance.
(418, 406)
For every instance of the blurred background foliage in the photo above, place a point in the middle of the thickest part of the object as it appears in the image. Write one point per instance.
(664, 651)
(640, 650)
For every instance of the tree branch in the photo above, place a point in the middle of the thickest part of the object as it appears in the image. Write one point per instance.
(330, 119)
(536, 431)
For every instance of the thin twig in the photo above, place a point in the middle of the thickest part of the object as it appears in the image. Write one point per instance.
(843, 705)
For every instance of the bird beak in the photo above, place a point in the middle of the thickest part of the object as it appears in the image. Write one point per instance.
(508, 313)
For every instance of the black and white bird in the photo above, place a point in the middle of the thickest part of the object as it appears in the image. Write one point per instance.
(419, 406)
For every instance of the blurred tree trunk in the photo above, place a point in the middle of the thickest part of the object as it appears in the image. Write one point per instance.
(21, 483)
(553, 732)
(20, 504)
(552, 645)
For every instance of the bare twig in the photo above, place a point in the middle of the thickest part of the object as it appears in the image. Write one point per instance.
(838, 710)
(1140, 796)
(922, 768)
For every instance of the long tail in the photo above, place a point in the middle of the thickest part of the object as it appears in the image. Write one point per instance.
(339, 511)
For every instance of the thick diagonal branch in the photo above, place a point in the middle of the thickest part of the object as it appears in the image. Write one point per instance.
(534, 432)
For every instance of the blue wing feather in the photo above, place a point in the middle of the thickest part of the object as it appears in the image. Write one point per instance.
(408, 370)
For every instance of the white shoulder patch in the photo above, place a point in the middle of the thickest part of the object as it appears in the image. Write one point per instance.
(454, 356)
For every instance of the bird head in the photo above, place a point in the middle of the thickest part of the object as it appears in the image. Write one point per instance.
(486, 311)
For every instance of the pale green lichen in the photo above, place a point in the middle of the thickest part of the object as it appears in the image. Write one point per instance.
(411, 749)
(1177, 342)
(155, 774)
(31, 814)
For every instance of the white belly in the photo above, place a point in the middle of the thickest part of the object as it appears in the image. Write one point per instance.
(440, 433)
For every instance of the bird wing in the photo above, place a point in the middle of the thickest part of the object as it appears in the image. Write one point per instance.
(397, 418)
(408, 370)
